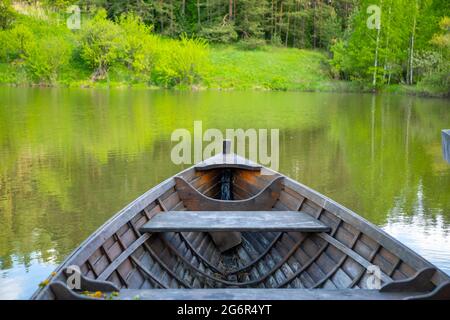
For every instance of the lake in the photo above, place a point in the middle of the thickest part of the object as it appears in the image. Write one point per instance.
(71, 158)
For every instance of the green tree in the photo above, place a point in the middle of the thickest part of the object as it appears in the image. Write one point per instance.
(439, 75)
(14, 42)
(61, 5)
(139, 49)
(182, 62)
(101, 43)
(7, 14)
(45, 58)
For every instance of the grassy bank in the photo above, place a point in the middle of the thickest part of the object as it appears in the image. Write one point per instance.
(39, 50)
(268, 68)
(43, 52)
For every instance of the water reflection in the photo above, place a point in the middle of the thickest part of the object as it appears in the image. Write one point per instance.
(69, 159)
(19, 281)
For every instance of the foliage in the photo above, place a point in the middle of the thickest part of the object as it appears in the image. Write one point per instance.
(438, 63)
(394, 53)
(328, 26)
(340, 63)
(251, 44)
(101, 44)
(45, 58)
(134, 41)
(425, 62)
(59, 4)
(182, 62)
(14, 42)
(298, 23)
(442, 38)
(219, 33)
(139, 49)
(7, 14)
(250, 18)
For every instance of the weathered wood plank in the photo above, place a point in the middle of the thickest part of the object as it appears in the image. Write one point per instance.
(179, 221)
(261, 294)
(352, 254)
(194, 200)
(227, 161)
(421, 282)
(122, 257)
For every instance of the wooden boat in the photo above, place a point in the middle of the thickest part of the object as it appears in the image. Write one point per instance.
(228, 228)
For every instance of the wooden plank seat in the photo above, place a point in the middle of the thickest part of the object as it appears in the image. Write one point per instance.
(217, 221)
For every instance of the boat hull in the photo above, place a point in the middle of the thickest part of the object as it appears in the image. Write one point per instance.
(339, 261)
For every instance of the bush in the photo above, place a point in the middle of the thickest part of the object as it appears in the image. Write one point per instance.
(101, 44)
(14, 42)
(222, 33)
(45, 58)
(439, 81)
(7, 14)
(182, 62)
(276, 41)
(139, 49)
(277, 84)
(251, 44)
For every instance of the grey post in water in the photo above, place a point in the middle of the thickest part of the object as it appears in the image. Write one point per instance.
(446, 144)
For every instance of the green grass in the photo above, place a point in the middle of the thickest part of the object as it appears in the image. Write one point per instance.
(229, 67)
(269, 68)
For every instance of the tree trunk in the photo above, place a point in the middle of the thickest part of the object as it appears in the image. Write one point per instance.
(287, 28)
(374, 81)
(274, 23)
(411, 67)
(198, 12)
(171, 17)
(161, 18)
(385, 68)
(314, 25)
(230, 10)
(280, 22)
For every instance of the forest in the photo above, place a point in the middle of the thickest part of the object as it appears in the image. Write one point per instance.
(344, 44)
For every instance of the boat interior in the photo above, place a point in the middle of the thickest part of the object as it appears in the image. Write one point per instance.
(325, 248)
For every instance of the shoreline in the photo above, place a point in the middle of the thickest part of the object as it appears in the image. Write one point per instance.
(342, 87)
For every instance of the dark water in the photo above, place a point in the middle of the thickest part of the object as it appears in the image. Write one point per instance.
(69, 159)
